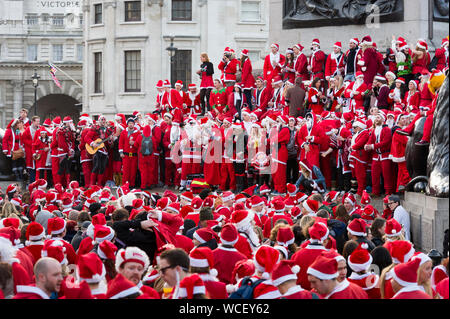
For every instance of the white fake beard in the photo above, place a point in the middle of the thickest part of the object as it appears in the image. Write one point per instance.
(358, 83)
(248, 229)
(390, 123)
(309, 123)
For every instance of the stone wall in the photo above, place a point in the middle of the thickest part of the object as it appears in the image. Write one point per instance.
(429, 220)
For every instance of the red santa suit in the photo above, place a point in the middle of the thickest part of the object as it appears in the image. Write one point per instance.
(359, 158)
(397, 155)
(212, 155)
(229, 70)
(318, 135)
(347, 290)
(225, 259)
(27, 138)
(315, 103)
(355, 92)
(304, 258)
(271, 221)
(227, 176)
(442, 57)
(336, 95)
(130, 152)
(411, 292)
(421, 63)
(85, 157)
(368, 282)
(191, 152)
(247, 79)
(146, 162)
(301, 66)
(11, 141)
(411, 101)
(272, 66)
(172, 99)
(66, 146)
(334, 65)
(317, 62)
(44, 161)
(214, 288)
(381, 139)
(30, 292)
(92, 134)
(193, 103)
(370, 64)
(279, 158)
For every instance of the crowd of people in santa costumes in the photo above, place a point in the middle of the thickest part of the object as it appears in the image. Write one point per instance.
(275, 174)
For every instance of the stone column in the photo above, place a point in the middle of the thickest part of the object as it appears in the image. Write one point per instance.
(18, 96)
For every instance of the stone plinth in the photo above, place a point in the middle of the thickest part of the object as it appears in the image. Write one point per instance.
(429, 220)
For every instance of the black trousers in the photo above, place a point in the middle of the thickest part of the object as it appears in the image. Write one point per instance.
(205, 93)
(248, 97)
(292, 170)
(343, 180)
(99, 163)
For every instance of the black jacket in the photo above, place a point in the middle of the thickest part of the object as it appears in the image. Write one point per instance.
(143, 239)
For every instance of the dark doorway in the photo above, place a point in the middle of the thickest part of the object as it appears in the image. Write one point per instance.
(53, 105)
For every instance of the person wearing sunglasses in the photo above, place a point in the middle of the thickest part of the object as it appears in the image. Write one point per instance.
(173, 266)
(400, 214)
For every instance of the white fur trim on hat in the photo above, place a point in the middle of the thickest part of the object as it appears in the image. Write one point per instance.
(321, 275)
(182, 292)
(194, 262)
(126, 292)
(360, 267)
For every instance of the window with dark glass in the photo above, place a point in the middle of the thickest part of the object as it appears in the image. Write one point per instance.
(133, 71)
(98, 72)
(181, 67)
(132, 11)
(181, 10)
(98, 13)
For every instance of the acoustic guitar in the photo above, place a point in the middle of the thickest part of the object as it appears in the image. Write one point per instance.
(101, 143)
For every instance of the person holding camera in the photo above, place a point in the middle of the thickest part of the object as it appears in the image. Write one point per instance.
(229, 67)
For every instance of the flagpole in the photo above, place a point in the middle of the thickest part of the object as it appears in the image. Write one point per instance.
(65, 74)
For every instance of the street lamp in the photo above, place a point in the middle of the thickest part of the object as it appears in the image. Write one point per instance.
(171, 50)
(35, 79)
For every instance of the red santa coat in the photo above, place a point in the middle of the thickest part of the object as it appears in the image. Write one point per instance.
(214, 288)
(398, 148)
(224, 261)
(173, 222)
(84, 155)
(357, 101)
(247, 79)
(195, 216)
(124, 141)
(184, 243)
(358, 141)
(381, 141)
(301, 66)
(411, 101)
(211, 165)
(229, 69)
(426, 98)
(420, 64)
(270, 222)
(71, 255)
(38, 147)
(243, 246)
(66, 141)
(272, 66)
(317, 62)
(334, 65)
(347, 290)
(368, 282)
(369, 65)
(314, 145)
(35, 248)
(218, 99)
(314, 101)
(282, 138)
(11, 142)
(297, 292)
(304, 258)
(172, 99)
(27, 140)
(30, 292)
(442, 59)
(438, 274)
(193, 103)
(412, 292)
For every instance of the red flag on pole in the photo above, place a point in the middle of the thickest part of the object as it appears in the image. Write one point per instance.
(53, 73)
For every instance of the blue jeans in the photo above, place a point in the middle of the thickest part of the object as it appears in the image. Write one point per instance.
(350, 77)
(320, 180)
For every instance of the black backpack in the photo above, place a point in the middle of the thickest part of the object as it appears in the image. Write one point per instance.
(147, 146)
(246, 289)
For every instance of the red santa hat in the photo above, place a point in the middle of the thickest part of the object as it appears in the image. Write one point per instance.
(278, 205)
(35, 232)
(55, 249)
(90, 268)
(324, 268)
(244, 52)
(187, 195)
(241, 217)
(202, 257)
(107, 250)
(360, 259)
(179, 83)
(121, 287)
(55, 226)
(402, 45)
(318, 231)
(162, 203)
(41, 184)
(354, 40)
(197, 203)
(393, 228)
(131, 254)
(57, 121)
(227, 196)
(367, 40)
(265, 259)
(160, 84)
(338, 45)
(405, 274)
(275, 45)
(285, 236)
(229, 234)
(357, 227)
(305, 164)
(174, 207)
(401, 250)
(299, 46)
(359, 123)
(16, 201)
(284, 271)
(291, 189)
(166, 83)
(10, 222)
(204, 235)
(256, 201)
(277, 80)
(422, 44)
(103, 232)
(315, 41)
(311, 206)
(190, 286)
(264, 189)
